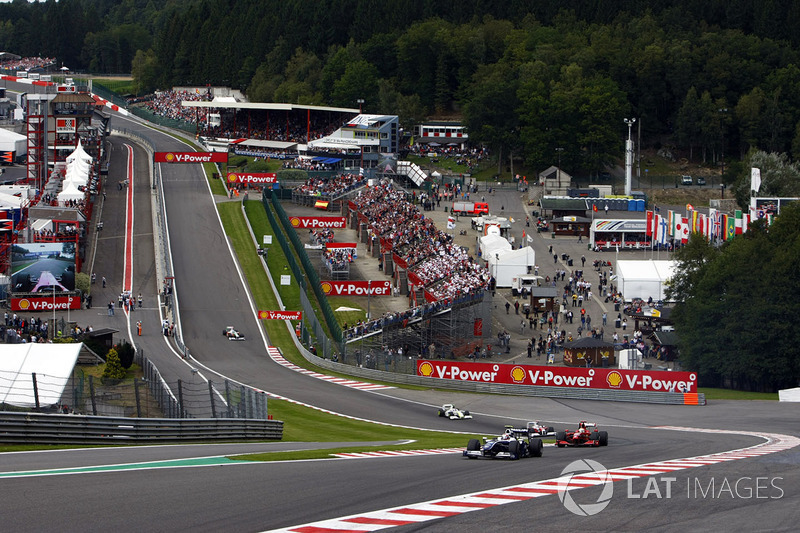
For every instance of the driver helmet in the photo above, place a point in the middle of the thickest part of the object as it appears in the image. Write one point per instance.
(508, 434)
(582, 425)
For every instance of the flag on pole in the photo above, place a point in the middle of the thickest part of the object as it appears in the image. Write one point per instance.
(689, 207)
(671, 222)
(745, 222)
(755, 179)
(685, 228)
(730, 227)
(594, 208)
(737, 223)
(694, 222)
(662, 230)
(649, 227)
(677, 226)
(451, 223)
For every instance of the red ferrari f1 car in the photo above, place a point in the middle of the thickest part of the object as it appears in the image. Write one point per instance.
(587, 434)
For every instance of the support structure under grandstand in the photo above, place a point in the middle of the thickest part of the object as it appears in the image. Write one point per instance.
(441, 331)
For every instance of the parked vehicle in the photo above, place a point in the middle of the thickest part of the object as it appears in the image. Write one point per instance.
(521, 285)
(700, 180)
(686, 180)
(470, 208)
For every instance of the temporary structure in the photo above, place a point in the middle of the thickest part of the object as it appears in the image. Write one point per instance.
(52, 364)
(70, 192)
(511, 264)
(493, 244)
(644, 279)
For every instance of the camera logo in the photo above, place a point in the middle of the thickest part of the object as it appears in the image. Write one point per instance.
(581, 467)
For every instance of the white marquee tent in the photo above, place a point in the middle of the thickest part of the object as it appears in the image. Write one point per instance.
(493, 244)
(511, 264)
(70, 192)
(644, 278)
(52, 364)
(79, 154)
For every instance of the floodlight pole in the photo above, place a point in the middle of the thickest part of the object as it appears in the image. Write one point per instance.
(629, 157)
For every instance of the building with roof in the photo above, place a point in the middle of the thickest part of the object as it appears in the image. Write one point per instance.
(555, 181)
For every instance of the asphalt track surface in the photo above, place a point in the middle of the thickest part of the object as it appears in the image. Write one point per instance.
(264, 496)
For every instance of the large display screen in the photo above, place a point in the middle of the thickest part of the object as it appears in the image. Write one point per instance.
(43, 268)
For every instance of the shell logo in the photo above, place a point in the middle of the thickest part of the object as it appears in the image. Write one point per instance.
(24, 304)
(614, 379)
(170, 157)
(231, 177)
(295, 221)
(426, 369)
(326, 287)
(518, 374)
(262, 314)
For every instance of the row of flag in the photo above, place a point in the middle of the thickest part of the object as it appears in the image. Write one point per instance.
(716, 226)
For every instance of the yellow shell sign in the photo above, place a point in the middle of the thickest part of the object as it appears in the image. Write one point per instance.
(426, 369)
(614, 379)
(518, 374)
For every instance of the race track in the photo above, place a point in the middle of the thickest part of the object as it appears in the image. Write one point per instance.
(239, 496)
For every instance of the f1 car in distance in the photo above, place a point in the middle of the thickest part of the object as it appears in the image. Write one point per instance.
(537, 429)
(513, 444)
(453, 413)
(232, 334)
(587, 434)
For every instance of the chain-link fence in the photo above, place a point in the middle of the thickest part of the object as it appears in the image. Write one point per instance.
(149, 396)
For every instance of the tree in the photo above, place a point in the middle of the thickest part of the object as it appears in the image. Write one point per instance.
(113, 369)
(779, 176)
(144, 70)
(741, 294)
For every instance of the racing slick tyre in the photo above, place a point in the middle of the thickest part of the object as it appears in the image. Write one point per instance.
(551, 429)
(441, 412)
(561, 436)
(596, 437)
(473, 445)
(466, 413)
(536, 447)
(603, 438)
(513, 449)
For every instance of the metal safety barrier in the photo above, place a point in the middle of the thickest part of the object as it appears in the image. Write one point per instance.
(38, 428)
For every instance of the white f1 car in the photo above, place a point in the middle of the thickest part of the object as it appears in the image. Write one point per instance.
(537, 429)
(450, 411)
(232, 334)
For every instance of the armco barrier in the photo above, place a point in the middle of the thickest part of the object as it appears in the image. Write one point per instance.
(74, 429)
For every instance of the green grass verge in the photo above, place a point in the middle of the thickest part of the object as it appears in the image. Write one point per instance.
(303, 424)
(728, 394)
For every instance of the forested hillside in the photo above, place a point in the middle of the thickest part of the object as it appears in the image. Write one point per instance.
(525, 76)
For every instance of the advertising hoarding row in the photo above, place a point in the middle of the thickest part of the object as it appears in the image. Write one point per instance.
(553, 376)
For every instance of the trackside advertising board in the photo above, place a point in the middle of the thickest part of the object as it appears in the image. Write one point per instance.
(357, 288)
(254, 178)
(46, 303)
(317, 222)
(280, 315)
(191, 157)
(551, 376)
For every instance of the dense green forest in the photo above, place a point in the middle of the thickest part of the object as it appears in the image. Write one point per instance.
(706, 76)
(737, 306)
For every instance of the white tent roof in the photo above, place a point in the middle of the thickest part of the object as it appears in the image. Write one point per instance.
(10, 201)
(79, 154)
(70, 192)
(522, 256)
(492, 244)
(644, 278)
(8, 135)
(52, 363)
